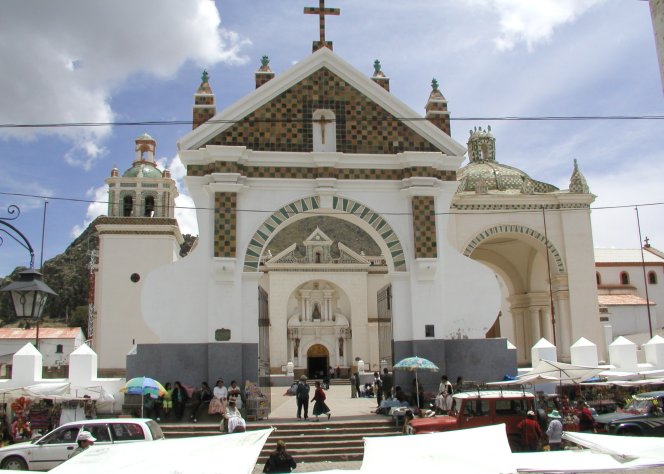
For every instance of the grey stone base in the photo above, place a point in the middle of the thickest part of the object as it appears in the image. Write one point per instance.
(282, 380)
(192, 364)
(479, 360)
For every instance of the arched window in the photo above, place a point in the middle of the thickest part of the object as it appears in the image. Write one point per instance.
(58, 349)
(317, 257)
(127, 206)
(624, 278)
(598, 277)
(652, 278)
(149, 206)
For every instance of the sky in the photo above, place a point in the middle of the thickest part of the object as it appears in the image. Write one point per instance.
(127, 61)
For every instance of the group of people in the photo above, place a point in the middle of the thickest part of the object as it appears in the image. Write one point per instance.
(219, 400)
(534, 437)
(302, 398)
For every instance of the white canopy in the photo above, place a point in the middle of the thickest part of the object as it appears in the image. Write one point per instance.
(236, 453)
(561, 372)
(647, 450)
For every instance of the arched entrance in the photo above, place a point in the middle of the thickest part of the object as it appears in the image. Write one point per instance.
(318, 361)
(530, 284)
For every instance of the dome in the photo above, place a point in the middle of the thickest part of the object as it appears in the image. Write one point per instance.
(484, 173)
(142, 169)
(485, 176)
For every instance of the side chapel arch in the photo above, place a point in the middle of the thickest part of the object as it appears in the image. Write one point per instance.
(366, 218)
(516, 229)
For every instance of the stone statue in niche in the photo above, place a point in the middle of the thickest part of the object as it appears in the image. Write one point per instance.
(296, 348)
(316, 313)
(341, 347)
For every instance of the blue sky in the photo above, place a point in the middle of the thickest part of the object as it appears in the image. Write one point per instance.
(83, 61)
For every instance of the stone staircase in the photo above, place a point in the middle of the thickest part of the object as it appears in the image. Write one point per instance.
(335, 440)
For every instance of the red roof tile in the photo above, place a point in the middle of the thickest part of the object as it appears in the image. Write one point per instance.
(44, 333)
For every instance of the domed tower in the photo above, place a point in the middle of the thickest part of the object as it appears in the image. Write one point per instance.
(139, 234)
(143, 190)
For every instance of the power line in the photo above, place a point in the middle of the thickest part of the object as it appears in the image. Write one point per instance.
(270, 211)
(300, 120)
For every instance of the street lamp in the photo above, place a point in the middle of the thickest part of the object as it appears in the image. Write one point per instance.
(29, 293)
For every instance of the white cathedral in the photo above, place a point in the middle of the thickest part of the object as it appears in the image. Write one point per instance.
(334, 230)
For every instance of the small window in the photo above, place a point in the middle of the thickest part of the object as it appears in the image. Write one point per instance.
(127, 206)
(149, 206)
(99, 431)
(429, 330)
(58, 349)
(127, 432)
(512, 407)
(476, 408)
(624, 278)
(598, 277)
(652, 278)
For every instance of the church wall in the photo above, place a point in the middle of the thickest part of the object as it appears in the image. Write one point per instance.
(580, 260)
(118, 298)
(192, 364)
(480, 360)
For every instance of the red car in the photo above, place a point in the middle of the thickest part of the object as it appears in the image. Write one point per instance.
(481, 408)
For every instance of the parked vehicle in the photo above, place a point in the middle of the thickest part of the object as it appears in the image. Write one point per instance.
(54, 448)
(642, 416)
(481, 408)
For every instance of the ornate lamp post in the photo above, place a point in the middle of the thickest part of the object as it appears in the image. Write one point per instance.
(29, 293)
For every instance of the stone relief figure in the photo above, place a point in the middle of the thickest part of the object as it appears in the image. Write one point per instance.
(296, 348)
(341, 347)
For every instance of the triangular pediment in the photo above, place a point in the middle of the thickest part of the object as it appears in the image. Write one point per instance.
(277, 115)
(318, 237)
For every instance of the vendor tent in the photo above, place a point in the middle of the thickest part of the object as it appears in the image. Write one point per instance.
(561, 372)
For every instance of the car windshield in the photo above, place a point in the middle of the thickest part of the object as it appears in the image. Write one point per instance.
(638, 405)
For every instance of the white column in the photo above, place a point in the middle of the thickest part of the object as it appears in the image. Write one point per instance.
(535, 324)
(545, 323)
(561, 307)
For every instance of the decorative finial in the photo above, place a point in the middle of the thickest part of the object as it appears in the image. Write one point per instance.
(265, 60)
(376, 66)
(576, 165)
(205, 76)
(434, 84)
(488, 127)
(647, 242)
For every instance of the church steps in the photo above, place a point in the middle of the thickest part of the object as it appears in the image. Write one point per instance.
(338, 440)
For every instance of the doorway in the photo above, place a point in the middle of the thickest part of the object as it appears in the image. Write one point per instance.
(318, 358)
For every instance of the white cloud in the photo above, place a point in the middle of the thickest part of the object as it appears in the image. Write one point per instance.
(98, 207)
(66, 70)
(530, 21)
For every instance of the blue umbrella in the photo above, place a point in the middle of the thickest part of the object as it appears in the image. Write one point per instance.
(143, 386)
(413, 364)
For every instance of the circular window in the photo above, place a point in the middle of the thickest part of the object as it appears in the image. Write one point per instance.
(135, 277)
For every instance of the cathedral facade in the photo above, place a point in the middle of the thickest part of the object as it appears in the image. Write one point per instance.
(338, 229)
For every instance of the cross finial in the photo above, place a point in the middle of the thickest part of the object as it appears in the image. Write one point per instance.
(205, 76)
(647, 241)
(321, 11)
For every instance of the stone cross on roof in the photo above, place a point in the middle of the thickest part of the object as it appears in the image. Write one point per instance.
(321, 11)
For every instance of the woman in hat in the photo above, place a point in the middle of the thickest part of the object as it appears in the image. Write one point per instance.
(236, 423)
(320, 408)
(555, 431)
(84, 440)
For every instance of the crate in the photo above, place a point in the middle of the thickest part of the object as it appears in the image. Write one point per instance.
(257, 409)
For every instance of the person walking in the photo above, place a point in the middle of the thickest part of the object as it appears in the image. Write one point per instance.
(555, 431)
(302, 398)
(280, 460)
(387, 384)
(353, 387)
(320, 408)
(531, 433)
(378, 388)
(586, 420)
(357, 383)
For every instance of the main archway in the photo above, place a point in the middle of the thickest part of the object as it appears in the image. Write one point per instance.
(363, 216)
